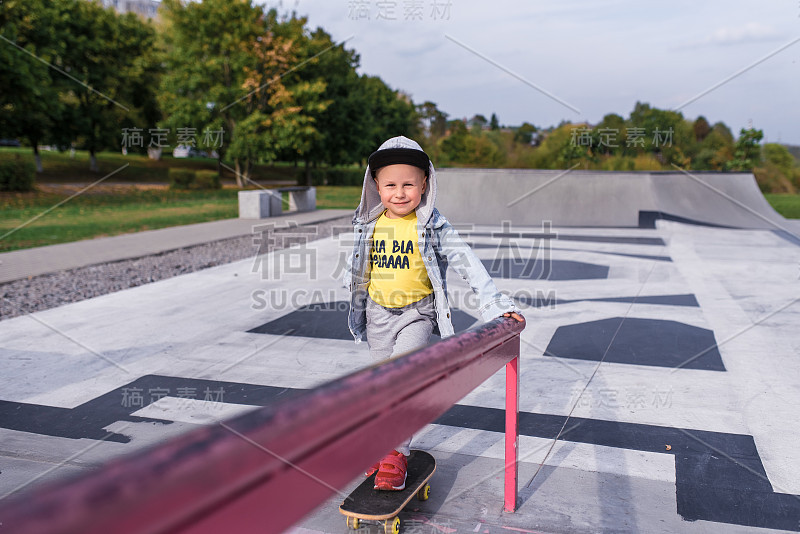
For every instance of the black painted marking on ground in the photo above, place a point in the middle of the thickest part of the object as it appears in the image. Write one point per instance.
(89, 419)
(647, 219)
(504, 247)
(652, 342)
(657, 300)
(62, 422)
(544, 269)
(328, 320)
(719, 476)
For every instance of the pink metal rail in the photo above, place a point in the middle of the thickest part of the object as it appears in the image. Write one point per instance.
(265, 470)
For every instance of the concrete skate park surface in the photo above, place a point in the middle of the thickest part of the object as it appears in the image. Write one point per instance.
(672, 349)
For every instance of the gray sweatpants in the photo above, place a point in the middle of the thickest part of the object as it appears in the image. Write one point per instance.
(393, 331)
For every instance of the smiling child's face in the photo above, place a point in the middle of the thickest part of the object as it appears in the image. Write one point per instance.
(401, 188)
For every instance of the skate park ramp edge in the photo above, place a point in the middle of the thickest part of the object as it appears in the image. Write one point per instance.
(604, 198)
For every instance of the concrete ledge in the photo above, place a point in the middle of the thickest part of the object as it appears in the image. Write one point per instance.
(301, 198)
(259, 204)
(263, 203)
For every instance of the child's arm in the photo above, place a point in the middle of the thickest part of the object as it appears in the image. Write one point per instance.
(464, 261)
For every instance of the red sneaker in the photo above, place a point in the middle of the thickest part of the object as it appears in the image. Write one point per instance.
(392, 472)
(369, 472)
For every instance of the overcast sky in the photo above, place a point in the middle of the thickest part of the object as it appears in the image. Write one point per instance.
(591, 57)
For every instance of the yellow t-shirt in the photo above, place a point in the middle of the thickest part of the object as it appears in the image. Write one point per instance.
(398, 276)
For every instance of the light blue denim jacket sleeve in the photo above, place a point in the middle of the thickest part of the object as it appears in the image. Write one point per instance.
(453, 251)
(356, 278)
(347, 276)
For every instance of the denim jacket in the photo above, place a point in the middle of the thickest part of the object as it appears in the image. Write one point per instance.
(440, 247)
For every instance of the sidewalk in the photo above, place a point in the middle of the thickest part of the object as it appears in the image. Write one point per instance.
(24, 263)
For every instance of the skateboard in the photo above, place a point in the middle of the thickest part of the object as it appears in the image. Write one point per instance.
(367, 503)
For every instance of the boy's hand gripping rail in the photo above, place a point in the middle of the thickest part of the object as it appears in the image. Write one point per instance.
(266, 469)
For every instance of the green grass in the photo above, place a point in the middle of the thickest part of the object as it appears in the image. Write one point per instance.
(29, 219)
(91, 215)
(338, 197)
(94, 215)
(786, 205)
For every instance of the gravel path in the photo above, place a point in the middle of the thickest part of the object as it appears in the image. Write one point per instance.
(46, 291)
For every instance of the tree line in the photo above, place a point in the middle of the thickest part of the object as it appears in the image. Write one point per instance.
(259, 86)
(75, 74)
(648, 139)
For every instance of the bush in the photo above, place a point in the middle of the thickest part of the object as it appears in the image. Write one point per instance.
(779, 156)
(646, 162)
(205, 179)
(181, 178)
(617, 163)
(17, 175)
(771, 179)
(318, 176)
(346, 176)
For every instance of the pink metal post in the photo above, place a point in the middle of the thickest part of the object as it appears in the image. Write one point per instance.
(512, 433)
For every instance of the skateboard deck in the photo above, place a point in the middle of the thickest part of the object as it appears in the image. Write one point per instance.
(365, 502)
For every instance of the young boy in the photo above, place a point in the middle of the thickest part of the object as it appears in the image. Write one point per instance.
(396, 273)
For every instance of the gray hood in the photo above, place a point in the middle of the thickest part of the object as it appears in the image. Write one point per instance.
(370, 207)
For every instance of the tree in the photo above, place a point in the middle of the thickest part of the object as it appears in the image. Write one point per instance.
(779, 156)
(101, 76)
(282, 107)
(777, 173)
(715, 150)
(229, 66)
(391, 112)
(494, 122)
(524, 134)
(434, 121)
(747, 151)
(550, 154)
(209, 47)
(478, 122)
(607, 136)
(277, 118)
(104, 51)
(338, 119)
(571, 154)
(701, 129)
(457, 146)
(666, 134)
(469, 148)
(722, 129)
(29, 103)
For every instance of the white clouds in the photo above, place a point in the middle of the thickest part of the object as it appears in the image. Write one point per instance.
(750, 32)
(599, 55)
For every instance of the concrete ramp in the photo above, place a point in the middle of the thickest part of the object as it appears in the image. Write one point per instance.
(719, 199)
(604, 199)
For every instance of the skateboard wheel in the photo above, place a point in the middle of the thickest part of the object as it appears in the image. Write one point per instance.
(392, 526)
(352, 522)
(424, 493)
